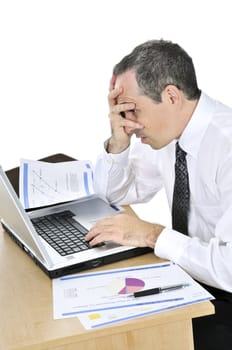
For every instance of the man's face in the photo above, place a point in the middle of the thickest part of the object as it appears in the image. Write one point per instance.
(159, 120)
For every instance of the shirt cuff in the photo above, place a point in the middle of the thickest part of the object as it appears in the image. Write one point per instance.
(171, 244)
(116, 158)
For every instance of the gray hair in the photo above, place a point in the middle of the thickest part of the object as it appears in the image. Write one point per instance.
(158, 63)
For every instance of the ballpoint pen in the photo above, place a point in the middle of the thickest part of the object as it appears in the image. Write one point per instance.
(159, 290)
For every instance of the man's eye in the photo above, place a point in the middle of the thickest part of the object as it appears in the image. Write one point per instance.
(123, 114)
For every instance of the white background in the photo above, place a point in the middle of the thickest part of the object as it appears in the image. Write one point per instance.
(56, 59)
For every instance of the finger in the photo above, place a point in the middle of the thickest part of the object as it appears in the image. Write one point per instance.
(99, 238)
(93, 232)
(119, 124)
(97, 241)
(113, 95)
(123, 107)
(130, 125)
(97, 229)
(112, 82)
(130, 131)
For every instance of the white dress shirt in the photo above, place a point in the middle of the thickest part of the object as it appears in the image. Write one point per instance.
(135, 176)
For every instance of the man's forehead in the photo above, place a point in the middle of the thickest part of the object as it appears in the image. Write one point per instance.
(127, 78)
(128, 83)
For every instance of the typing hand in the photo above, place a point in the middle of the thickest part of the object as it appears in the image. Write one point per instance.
(124, 229)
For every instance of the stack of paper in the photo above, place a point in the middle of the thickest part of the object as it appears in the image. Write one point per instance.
(103, 298)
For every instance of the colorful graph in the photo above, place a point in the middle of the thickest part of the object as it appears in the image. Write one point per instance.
(126, 286)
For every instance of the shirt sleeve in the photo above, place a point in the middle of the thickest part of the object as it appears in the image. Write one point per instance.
(130, 177)
(209, 260)
(208, 263)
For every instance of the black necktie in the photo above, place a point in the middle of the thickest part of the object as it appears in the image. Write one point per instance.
(181, 193)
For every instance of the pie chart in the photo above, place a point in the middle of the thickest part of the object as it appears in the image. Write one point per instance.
(126, 286)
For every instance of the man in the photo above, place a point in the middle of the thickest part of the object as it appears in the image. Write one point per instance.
(154, 95)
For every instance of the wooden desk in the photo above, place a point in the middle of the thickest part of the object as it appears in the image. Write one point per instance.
(27, 314)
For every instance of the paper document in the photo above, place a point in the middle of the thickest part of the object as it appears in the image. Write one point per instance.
(106, 297)
(91, 320)
(42, 183)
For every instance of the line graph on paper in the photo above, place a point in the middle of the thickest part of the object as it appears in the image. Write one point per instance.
(39, 184)
(44, 183)
(55, 188)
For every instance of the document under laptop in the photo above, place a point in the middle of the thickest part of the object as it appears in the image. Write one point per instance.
(82, 214)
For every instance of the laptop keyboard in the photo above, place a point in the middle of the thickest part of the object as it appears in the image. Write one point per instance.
(62, 232)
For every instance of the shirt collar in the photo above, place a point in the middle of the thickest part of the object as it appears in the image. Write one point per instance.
(193, 134)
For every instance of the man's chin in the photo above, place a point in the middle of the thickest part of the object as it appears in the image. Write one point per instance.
(147, 141)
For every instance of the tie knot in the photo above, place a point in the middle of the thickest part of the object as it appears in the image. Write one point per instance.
(180, 153)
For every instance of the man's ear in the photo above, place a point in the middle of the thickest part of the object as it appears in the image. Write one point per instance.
(171, 94)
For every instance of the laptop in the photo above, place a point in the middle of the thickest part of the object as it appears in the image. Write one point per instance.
(24, 228)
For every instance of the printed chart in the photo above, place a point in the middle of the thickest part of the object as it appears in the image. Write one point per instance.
(126, 286)
(105, 297)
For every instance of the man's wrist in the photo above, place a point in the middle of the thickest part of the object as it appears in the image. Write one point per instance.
(114, 147)
(153, 235)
